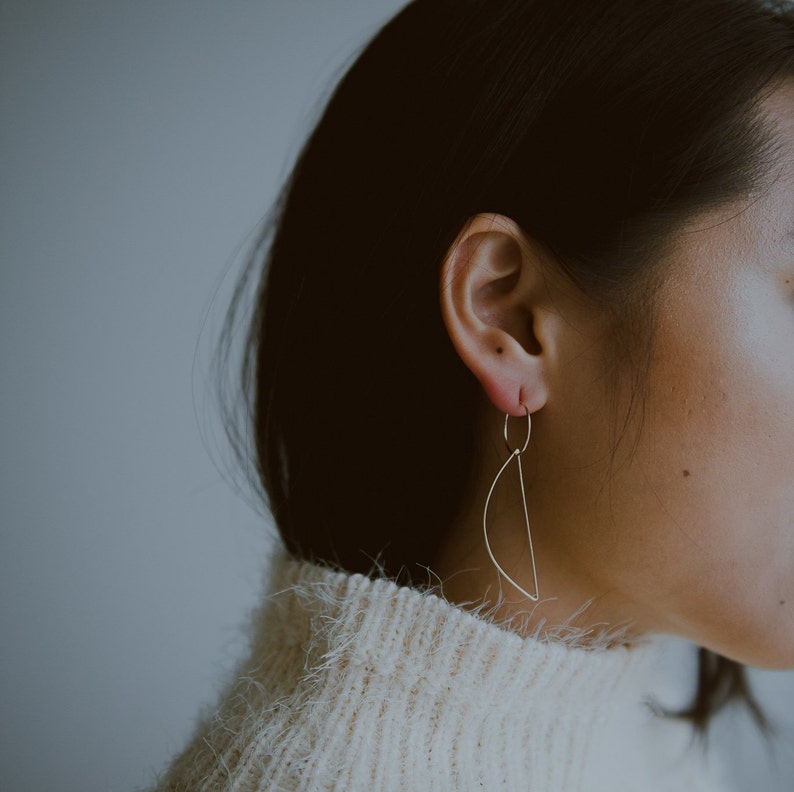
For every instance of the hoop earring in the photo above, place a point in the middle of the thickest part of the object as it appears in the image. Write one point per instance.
(514, 454)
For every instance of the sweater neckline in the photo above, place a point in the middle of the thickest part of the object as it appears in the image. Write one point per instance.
(417, 639)
(359, 683)
(383, 615)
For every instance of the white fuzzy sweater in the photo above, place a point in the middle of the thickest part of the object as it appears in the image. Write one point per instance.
(359, 684)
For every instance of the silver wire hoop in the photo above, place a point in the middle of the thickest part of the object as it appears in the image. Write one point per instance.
(514, 454)
(529, 429)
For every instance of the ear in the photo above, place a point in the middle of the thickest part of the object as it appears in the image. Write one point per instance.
(495, 304)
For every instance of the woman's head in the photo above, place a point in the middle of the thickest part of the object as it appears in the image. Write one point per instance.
(596, 149)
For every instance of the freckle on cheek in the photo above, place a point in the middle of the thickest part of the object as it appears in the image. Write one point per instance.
(686, 473)
(782, 602)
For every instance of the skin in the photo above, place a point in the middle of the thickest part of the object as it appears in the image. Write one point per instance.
(692, 534)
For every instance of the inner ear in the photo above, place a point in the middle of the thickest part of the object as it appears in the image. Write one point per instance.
(492, 301)
(503, 285)
(530, 340)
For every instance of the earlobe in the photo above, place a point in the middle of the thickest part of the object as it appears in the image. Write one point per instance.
(491, 290)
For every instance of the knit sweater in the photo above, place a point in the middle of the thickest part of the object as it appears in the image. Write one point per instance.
(360, 684)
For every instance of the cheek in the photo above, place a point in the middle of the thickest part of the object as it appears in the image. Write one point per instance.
(718, 462)
(722, 390)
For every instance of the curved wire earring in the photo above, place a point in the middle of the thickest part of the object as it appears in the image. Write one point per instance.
(514, 454)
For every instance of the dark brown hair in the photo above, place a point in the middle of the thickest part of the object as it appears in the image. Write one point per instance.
(599, 126)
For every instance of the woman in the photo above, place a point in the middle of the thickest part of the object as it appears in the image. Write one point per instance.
(521, 374)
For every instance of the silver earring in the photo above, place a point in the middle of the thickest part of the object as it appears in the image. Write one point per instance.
(514, 454)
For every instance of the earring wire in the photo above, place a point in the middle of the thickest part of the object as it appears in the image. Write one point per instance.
(514, 454)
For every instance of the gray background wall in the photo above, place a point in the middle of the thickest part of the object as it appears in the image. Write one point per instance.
(140, 144)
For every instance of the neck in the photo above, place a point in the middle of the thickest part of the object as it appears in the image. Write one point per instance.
(571, 595)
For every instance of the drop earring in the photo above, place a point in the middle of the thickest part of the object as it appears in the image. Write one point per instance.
(514, 454)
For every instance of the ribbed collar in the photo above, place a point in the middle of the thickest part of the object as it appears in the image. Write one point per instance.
(484, 694)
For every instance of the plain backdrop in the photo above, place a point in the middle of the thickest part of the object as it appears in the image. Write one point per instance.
(141, 143)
